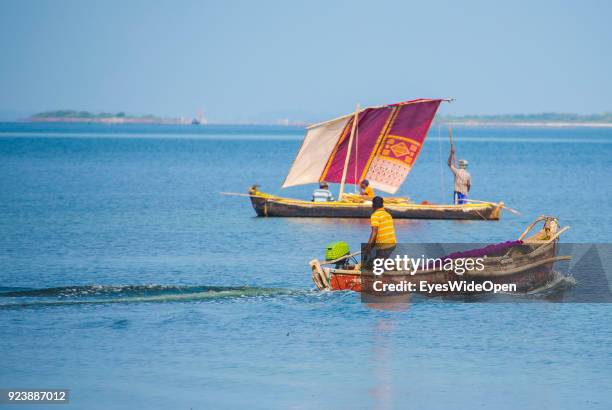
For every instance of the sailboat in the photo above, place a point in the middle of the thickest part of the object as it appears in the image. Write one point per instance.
(380, 144)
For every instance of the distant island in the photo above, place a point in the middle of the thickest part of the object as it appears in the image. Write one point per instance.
(105, 118)
(543, 119)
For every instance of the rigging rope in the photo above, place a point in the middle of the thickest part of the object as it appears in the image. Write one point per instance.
(356, 155)
(442, 190)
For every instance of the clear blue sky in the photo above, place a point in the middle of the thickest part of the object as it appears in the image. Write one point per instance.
(261, 60)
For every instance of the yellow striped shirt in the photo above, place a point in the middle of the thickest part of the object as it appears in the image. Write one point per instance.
(386, 231)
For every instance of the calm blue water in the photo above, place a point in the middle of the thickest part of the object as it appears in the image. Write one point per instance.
(128, 279)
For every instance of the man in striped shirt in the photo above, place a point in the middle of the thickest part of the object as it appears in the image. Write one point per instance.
(323, 194)
(463, 179)
(382, 236)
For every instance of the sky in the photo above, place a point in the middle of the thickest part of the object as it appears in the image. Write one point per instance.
(258, 61)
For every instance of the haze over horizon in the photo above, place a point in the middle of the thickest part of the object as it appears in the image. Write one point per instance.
(259, 62)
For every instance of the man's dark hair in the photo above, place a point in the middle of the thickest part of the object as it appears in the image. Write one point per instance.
(377, 202)
(365, 182)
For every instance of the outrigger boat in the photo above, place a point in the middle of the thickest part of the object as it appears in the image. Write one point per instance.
(271, 205)
(526, 262)
(380, 144)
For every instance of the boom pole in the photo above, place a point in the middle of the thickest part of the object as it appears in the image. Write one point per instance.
(348, 153)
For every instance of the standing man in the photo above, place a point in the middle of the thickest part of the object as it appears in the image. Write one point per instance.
(463, 179)
(382, 235)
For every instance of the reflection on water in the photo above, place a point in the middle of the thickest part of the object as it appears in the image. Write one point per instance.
(381, 361)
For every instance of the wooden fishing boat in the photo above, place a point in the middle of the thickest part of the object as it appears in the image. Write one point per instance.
(270, 205)
(378, 144)
(526, 262)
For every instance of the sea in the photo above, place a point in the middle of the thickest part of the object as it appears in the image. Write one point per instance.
(127, 278)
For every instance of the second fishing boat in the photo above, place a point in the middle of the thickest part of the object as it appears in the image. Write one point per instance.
(378, 144)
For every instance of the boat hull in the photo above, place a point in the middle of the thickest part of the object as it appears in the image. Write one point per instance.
(269, 206)
(525, 281)
(523, 267)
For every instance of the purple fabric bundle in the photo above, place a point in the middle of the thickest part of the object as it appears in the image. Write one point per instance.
(491, 250)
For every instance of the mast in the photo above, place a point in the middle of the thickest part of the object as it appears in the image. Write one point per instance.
(348, 153)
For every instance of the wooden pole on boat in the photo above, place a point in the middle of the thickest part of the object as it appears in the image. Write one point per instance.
(348, 153)
(514, 211)
(450, 137)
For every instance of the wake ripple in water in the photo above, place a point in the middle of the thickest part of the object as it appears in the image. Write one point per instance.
(17, 298)
(559, 283)
(99, 294)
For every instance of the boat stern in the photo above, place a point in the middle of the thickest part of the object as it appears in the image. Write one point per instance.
(496, 213)
(319, 276)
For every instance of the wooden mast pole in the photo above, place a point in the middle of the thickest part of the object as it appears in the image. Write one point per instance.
(348, 153)
(452, 158)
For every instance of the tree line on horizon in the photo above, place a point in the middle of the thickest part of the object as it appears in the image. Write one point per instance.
(87, 115)
(605, 117)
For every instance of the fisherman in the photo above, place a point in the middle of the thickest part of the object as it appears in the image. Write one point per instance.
(366, 190)
(323, 194)
(382, 235)
(463, 179)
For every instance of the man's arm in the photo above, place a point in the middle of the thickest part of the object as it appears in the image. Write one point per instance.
(373, 233)
(372, 239)
(469, 183)
(451, 158)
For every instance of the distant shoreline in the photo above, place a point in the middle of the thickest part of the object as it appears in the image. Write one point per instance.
(548, 120)
(157, 121)
(548, 124)
(107, 120)
(75, 116)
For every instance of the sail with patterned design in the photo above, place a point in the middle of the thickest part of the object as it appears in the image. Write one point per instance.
(386, 143)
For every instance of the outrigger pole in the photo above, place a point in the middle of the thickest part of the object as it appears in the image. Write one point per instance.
(348, 153)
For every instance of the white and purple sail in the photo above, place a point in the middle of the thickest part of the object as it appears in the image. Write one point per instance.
(383, 146)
